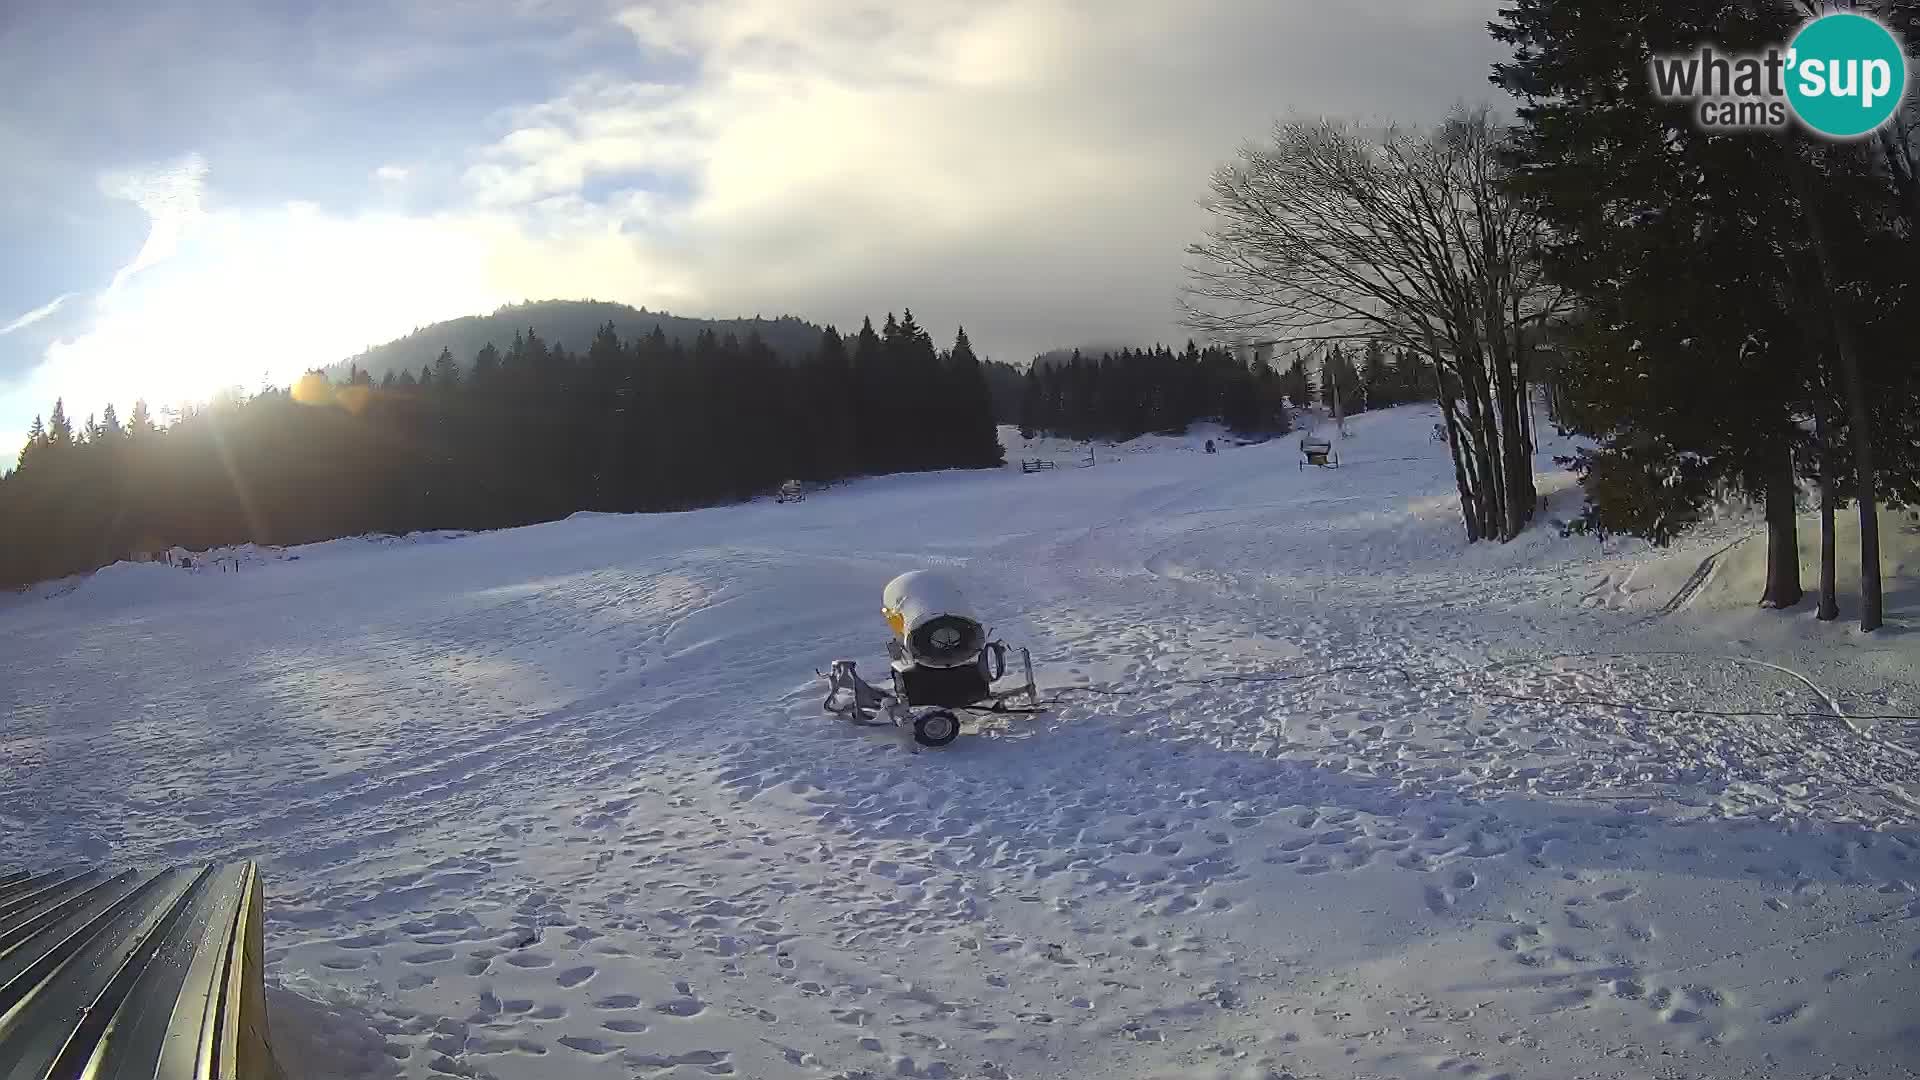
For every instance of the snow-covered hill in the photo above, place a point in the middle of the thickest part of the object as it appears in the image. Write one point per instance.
(1342, 796)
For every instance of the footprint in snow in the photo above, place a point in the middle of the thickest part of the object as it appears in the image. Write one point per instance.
(682, 1007)
(1789, 1014)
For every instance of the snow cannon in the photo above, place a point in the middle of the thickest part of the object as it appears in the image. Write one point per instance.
(930, 620)
(941, 661)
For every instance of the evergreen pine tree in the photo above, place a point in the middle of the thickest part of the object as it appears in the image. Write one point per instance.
(486, 365)
(1377, 387)
(446, 371)
(1689, 342)
(1032, 414)
(36, 442)
(59, 428)
(1269, 396)
(916, 392)
(835, 399)
(969, 410)
(1337, 374)
(1299, 385)
(875, 430)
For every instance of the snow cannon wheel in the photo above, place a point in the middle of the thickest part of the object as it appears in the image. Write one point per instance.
(936, 727)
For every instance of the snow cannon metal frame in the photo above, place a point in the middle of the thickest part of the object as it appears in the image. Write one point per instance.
(941, 661)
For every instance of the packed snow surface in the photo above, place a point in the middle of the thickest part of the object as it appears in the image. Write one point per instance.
(559, 802)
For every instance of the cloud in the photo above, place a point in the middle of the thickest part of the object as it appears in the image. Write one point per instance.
(36, 314)
(170, 195)
(599, 126)
(1028, 168)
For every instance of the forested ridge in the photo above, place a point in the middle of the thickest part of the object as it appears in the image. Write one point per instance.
(516, 434)
(1125, 394)
(573, 324)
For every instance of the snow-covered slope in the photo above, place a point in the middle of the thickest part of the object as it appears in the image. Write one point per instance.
(559, 802)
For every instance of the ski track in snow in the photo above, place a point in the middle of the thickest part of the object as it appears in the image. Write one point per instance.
(559, 802)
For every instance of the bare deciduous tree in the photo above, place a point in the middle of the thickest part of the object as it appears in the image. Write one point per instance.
(1333, 234)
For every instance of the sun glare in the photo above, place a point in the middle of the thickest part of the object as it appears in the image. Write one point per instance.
(253, 299)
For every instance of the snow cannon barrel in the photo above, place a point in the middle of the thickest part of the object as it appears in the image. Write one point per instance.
(932, 621)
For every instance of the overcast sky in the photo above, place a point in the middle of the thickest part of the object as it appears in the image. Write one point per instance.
(200, 194)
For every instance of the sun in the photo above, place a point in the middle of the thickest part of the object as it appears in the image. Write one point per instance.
(246, 300)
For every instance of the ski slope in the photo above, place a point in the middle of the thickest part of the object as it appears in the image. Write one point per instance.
(559, 802)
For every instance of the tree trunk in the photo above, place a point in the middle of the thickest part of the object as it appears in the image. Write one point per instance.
(1516, 461)
(1872, 599)
(1523, 374)
(1469, 503)
(1526, 396)
(1476, 452)
(1859, 414)
(1829, 598)
(1483, 446)
(1783, 539)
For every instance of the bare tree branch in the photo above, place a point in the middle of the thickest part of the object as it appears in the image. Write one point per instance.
(1406, 237)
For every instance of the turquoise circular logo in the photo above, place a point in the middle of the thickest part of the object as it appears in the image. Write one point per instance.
(1846, 76)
